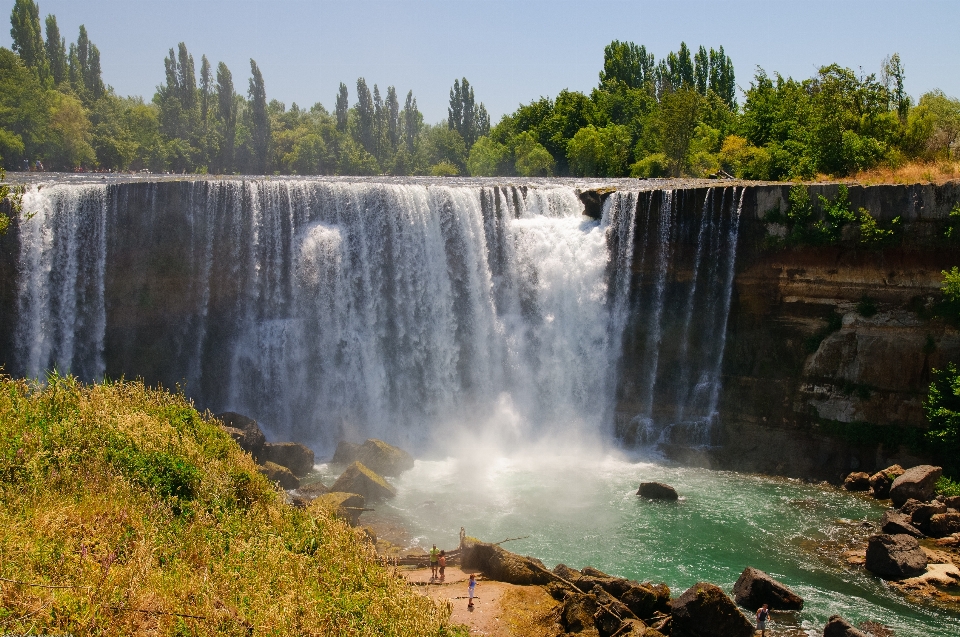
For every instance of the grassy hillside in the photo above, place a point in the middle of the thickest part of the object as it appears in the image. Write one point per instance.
(123, 511)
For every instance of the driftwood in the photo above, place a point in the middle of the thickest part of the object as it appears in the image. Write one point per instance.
(510, 539)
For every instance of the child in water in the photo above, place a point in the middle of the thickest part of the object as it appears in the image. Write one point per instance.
(471, 587)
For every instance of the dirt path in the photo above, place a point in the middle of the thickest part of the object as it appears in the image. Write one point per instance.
(489, 615)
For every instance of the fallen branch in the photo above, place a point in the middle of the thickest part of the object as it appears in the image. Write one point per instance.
(510, 539)
(553, 575)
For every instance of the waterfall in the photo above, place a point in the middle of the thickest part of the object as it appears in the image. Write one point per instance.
(401, 309)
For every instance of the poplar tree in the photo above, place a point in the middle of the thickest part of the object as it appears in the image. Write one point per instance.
(343, 105)
(412, 122)
(379, 125)
(28, 38)
(462, 112)
(93, 79)
(227, 115)
(365, 115)
(393, 118)
(892, 76)
(56, 47)
(627, 63)
(701, 70)
(261, 123)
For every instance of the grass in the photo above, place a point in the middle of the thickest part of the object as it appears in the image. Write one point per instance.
(909, 173)
(947, 487)
(125, 511)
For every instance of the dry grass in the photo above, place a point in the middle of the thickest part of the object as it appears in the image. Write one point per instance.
(123, 511)
(912, 173)
(530, 612)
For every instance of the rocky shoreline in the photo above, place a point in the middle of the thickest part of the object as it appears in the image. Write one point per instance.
(916, 551)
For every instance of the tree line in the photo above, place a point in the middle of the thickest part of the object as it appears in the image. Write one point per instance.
(678, 115)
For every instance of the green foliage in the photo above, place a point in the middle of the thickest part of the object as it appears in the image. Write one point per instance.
(487, 158)
(952, 230)
(947, 487)
(595, 152)
(655, 165)
(942, 408)
(805, 226)
(533, 160)
(10, 196)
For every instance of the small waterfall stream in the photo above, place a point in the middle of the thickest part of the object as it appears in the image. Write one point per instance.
(402, 309)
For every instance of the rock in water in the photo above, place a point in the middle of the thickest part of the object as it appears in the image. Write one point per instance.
(917, 483)
(278, 473)
(245, 431)
(704, 610)
(312, 491)
(881, 481)
(895, 556)
(296, 457)
(921, 512)
(755, 588)
(837, 626)
(359, 479)
(378, 455)
(347, 505)
(894, 523)
(857, 481)
(657, 491)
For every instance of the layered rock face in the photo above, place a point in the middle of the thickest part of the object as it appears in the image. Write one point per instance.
(825, 339)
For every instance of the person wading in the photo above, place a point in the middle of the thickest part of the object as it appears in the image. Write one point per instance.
(434, 561)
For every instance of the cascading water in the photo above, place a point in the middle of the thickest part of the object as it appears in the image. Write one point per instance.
(402, 309)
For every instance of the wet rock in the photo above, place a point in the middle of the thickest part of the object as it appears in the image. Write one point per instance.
(499, 564)
(593, 201)
(245, 431)
(944, 524)
(857, 481)
(576, 614)
(292, 455)
(359, 479)
(837, 626)
(378, 455)
(755, 588)
(917, 483)
(279, 474)
(895, 556)
(657, 491)
(704, 610)
(895, 523)
(347, 505)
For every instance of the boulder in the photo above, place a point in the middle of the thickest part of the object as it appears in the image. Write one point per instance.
(755, 588)
(499, 564)
(245, 431)
(359, 479)
(279, 474)
(895, 523)
(636, 628)
(296, 457)
(576, 614)
(593, 572)
(921, 512)
(880, 483)
(944, 524)
(347, 505)
(378, 455)
(952, 502)
(616, 586)
(646, 600)
(704, 610)
(312, 491)
(857, 481)
(657, 491)
(611, 612)
(917, 483)
(567, 573)
(895, 556)
(837, 626)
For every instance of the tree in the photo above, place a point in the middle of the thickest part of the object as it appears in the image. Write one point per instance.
(24, 111)
(393, 118)
(462, 114)
(412, 122)
(942, 408)
(260, 130)
(56, 47)
(678, 120)
(343, 105)
(701, 70)
(629, 64)
(27, 37)
(365, 116)
(533, 160)
(226, 116)
(892, 76)
(487, 158)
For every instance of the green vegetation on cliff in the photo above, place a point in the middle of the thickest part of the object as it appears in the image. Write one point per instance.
(123, 511)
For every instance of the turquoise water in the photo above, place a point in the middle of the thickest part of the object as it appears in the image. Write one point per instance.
(584, 512)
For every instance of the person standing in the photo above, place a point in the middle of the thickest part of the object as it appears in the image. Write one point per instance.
(762, 614)
(442, 563)
(434, 561)
(471, 588)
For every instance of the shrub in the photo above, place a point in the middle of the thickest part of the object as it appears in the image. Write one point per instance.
(655, 165)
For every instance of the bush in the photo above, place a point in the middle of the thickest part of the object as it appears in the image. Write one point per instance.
(444, 169)
(942, 408)
(655, 165)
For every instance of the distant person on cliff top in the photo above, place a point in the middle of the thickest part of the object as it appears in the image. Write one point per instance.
(762, 615)
(471, 587)
(442, 562)
(434, 564)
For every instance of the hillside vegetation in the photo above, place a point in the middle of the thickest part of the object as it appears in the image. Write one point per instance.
(124, 511)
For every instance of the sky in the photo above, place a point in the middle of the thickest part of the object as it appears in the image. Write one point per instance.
(512, 52)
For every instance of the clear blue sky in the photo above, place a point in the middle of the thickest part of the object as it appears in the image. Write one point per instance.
(511, 51)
